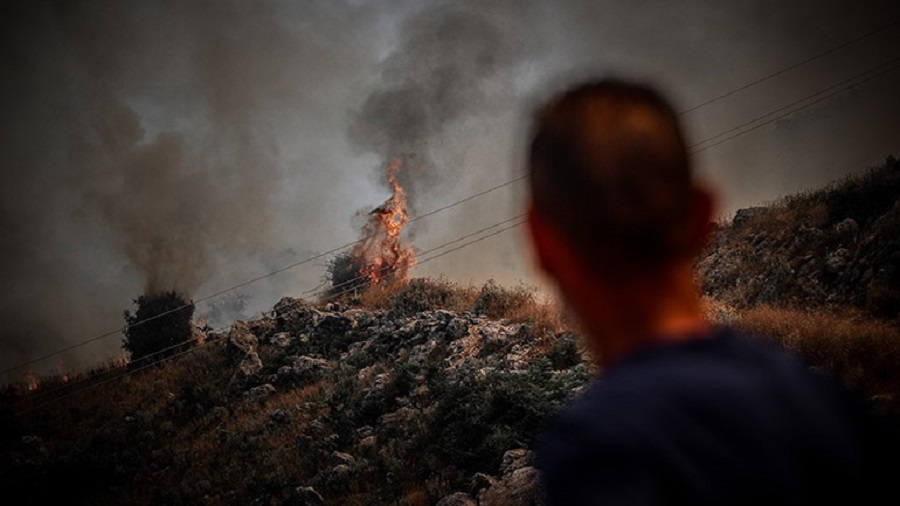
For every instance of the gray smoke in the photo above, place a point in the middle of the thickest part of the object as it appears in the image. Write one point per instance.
(444, 69)
(195, 145)
(142, 151)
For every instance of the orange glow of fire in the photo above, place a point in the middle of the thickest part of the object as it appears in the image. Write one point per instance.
(32, 380)
(61, 371)
(382, 251)
(199, 329)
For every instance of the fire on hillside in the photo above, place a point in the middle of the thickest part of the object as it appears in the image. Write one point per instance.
(381, 253)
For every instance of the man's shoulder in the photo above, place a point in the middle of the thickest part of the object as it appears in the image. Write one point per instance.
(725, 360)
(727, 372)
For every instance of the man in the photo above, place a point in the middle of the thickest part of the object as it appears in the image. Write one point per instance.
(683, 412)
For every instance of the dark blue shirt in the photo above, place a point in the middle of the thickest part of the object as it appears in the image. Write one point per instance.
(716, 420)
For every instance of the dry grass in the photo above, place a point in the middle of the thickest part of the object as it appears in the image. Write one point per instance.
(820, 249)
(184, 426)
(718, 312)
(863, 352)
(418, 294)
(518, 304)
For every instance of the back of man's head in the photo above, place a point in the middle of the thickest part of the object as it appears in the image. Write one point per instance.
(609, 170)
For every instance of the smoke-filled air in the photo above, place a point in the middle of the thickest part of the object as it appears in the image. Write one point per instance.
(160, 146)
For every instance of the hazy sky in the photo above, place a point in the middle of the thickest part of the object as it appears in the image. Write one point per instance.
(196, 145)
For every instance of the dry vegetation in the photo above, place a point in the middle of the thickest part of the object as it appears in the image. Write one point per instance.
(519, 304)
(863, 352)
(184, 432)
(176, 432)
(829, 249)
(180, 431)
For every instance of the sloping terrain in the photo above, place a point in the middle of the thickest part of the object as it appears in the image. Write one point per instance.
(333, 404)
(835, 247)
(426, 392)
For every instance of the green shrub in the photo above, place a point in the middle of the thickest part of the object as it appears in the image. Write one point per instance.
(476, 420)
(565, 352)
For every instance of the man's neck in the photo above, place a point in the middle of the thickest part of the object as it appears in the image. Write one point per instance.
(651, 312)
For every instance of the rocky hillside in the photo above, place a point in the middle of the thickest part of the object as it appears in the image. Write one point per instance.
(430, 393)
(835, 247)
(312, 405)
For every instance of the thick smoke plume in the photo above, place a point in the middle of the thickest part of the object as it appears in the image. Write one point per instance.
(440, 72)
(157, 145)
(170, 218)
(138, 157)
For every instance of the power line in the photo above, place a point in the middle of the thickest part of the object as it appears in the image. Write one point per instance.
(792, 67)
(516, 222)
(451, 250)
(248, 282)
(479, 194)
(696, 149)
(351, 282)
(317, 291)
(470, 197)
(146, 358)
(108, 380)
(835, 90)
(884, 67)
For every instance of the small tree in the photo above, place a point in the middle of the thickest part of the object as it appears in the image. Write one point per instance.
(160, 323)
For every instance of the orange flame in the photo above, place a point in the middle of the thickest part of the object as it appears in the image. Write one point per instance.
(382, 252)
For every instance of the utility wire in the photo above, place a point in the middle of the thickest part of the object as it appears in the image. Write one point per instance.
(518, 221)
(454, 204)
(109, 380)
(451, 250)
(352, 282)
(145, 359)
(835, 89)
(246, 283)
(697, 149)
(827, 52)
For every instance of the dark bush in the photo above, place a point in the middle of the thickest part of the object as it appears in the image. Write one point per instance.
(475, 421)
(159, 328)
(343, 274)
(565, 353)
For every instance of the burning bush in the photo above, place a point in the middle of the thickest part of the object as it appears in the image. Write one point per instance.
(160, 324)
(381, 254)
(345, 274)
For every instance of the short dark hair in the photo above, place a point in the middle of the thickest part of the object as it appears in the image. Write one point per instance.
(609, 168)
